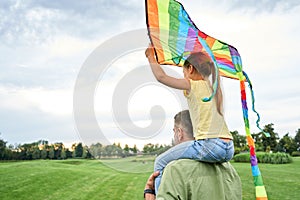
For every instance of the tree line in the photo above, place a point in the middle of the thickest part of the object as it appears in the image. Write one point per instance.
(43, 150)
(274, 143)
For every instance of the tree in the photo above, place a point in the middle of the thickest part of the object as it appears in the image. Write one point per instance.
(269, 141)
(257, 137)
(84, 153)
(239, 140)
(119, 145)
(79, 150)
(134, 150)
(148, 148)
(287, 144)
(2, 149)
(111, 150)
(44, 147)
(43, 142)
(63, 154)
(36, 153)
(96, 150)
(119, 151)
(44, 153)
(9, 153)
(297, 140)
(51, 152)
(68, 153)
(155, 149)
(126, 148)
(73, 148)
(58, 147)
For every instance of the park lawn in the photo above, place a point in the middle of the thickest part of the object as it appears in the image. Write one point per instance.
(282, 181)
(69, 179)
(137, 164)
(91, 179)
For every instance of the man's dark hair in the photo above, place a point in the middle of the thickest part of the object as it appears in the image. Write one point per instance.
(183, 120)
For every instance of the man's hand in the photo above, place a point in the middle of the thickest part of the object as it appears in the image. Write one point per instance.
(150, 186)
(150, 181)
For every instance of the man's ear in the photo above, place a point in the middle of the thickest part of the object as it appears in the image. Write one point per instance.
(180, 135)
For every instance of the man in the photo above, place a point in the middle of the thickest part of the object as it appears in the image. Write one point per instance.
(190, 179)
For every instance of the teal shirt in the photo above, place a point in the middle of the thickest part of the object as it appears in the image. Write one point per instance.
(192, 180)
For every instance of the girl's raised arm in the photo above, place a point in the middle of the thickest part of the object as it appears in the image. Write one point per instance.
(162, 77)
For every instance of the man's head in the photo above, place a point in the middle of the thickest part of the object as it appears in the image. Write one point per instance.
(183, 129)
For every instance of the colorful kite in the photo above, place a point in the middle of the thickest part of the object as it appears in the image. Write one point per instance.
(174, 37)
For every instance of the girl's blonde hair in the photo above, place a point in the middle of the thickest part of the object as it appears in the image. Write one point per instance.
(203, 65)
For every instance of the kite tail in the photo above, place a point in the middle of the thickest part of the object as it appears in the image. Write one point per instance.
(260, 191)
(253, 107)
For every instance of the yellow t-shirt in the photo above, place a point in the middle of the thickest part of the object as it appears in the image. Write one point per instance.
(207, 122)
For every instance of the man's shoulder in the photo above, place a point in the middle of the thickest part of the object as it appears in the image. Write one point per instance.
(185, 162)
(186, 167)
(194, 163)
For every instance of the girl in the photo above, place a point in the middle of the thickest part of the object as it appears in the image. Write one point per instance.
(213, 141)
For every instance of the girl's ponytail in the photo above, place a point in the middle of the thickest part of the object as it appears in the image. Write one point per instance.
(218, 95)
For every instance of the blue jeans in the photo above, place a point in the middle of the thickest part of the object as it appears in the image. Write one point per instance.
(208, 150)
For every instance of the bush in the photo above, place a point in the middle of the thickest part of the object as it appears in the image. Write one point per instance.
(237, 150)
(272, 158)
(242, 157)
(296, 153)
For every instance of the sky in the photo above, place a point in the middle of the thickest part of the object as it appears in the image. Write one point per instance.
(46, 46)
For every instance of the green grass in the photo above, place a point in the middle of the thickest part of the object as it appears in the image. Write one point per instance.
(282, 181)
(138, 164)
(91, 179)
(70, 179)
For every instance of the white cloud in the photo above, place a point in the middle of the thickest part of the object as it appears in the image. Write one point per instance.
(65, 46)
(46, 42)
(36, 22)
(52, 102)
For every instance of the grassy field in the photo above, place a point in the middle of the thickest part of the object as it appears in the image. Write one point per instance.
(91, 179)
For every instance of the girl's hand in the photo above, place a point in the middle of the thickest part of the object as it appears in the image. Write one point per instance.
(161, 76)
(150, 52)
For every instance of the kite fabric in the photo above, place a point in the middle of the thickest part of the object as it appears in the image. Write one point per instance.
(174, 37)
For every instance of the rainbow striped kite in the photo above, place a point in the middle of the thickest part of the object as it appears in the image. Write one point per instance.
(174, 37)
